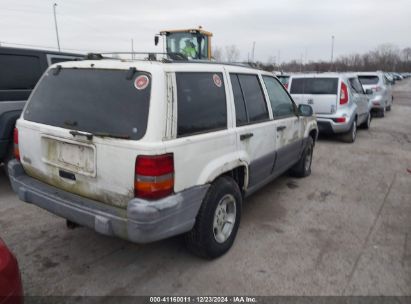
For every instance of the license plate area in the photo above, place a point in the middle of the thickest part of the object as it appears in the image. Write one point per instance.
(69, 155)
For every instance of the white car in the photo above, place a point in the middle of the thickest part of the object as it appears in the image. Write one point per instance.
(145, 150)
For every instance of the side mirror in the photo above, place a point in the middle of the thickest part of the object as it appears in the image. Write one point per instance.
(156, 39)
(369, 92)
(305, 110)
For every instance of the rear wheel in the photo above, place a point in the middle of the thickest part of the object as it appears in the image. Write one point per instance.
(217, 221)
(367, 123)
(351, 135)
(303, 167)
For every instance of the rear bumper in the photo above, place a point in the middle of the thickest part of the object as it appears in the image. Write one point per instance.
(142, 222)
(377, 102)
(328, 126)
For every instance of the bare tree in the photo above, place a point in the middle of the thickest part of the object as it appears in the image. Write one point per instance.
(218, 53)
(406, 53)
(232, 53)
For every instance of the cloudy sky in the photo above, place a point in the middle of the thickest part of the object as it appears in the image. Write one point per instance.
(293, 29)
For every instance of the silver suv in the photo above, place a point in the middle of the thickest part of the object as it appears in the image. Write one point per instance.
(380, 89)
(337, 99)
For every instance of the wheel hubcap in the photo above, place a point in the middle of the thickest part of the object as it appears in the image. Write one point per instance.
(224, 218)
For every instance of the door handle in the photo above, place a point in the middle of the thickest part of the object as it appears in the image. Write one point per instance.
(280, 128)
(245, 136)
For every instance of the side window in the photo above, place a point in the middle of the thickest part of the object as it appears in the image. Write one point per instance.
(356, 85)
(201, 103)
(19, 72)
(281, 103)
(240, 109)
(254, 98)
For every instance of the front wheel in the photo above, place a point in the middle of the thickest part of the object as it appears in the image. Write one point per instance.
(217, 221)
(303, 167)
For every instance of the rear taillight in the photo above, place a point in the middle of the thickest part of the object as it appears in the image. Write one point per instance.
(339, 119)
(16, 150)
(154, 176)
(286, 85)
(343, 94)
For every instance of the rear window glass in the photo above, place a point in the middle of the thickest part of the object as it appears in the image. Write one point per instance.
(254, 98)
(201, 103)
(92, 100)
(316, 86)
(240, 109)
(367, 80)
(19, 72)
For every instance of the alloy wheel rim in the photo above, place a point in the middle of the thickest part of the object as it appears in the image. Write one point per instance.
(224, 218)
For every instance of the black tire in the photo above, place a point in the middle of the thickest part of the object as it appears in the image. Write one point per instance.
(366, 125)
(388, 108)
(351, 135)
(9, 156)
(201, 240)
(303, 167)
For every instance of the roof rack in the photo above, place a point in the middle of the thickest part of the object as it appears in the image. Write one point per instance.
(166, 58)
(151, 56)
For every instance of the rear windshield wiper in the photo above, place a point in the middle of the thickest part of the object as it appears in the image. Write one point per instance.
(89, 136)
(106, 134)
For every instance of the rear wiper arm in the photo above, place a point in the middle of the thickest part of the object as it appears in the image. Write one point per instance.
(106, 134)
(89, 136)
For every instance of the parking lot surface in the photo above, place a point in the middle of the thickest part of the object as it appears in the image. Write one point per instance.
(345, 230)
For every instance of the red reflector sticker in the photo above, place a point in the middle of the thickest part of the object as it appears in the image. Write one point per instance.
(141, 82)
(217, 80)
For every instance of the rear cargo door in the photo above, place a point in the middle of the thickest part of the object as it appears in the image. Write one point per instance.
(78, 127)
(319, 92)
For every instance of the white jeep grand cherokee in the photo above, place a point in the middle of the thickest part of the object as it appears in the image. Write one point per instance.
(146, 150)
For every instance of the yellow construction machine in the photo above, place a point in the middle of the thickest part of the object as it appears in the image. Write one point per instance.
(193, 44)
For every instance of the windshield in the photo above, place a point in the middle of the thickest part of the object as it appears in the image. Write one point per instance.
(92, 100)
(316, 86)
(192, 45)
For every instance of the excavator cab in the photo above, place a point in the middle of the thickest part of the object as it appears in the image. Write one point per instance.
(194, 44)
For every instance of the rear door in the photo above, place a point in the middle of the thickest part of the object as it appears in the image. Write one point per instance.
(319, 92)
(255, 131)
(78, 127)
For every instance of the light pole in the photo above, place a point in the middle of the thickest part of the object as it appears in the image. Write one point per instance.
(55, 24)
(332, 48)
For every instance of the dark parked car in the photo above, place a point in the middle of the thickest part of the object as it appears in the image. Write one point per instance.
(11, 291)
(20, 69)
